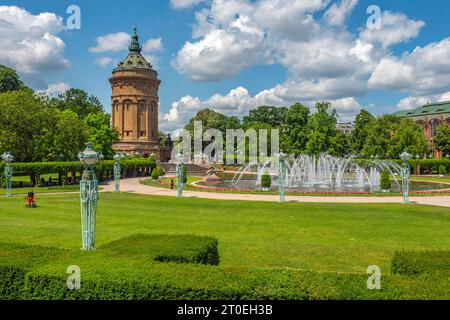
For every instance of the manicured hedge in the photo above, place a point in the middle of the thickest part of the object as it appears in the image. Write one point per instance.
(113, 276)
(170, 248)
(38, 168)
(413, 263)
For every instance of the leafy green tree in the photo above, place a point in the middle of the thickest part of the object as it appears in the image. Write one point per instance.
(408, 136)
(379, 136)
(293, 134)
(79, 102)
(213, 120)
(34, 131)
(66, 136)
(22, 118)
(442, 139)
(10, 80)
(340, 144)
(322, 130)
(363, 122)
(273, 116)
(101, 134)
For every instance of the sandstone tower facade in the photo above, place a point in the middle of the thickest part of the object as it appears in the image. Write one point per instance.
(135, 87)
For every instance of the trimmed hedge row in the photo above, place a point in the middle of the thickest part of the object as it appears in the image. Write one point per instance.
(169, 248)
(413, 263)
(39, 168)
(126, 278)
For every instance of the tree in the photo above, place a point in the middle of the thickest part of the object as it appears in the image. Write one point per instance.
(101, 134)
(9, 80)
(293, 134)
(273, 116)
(79, 102)
(363, 122)
(408, 136)
(34, 131)
(442, 139)
(211, 119)
(379, 136)
(322, 130)
(66, 136)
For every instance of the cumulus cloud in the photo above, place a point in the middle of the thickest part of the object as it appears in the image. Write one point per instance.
(412, 102)
(153, 45)
(30, 43)
(221, 54)
(55, 89)
(424, 71)
(395, 28)
(104, 61)
(310, 39)
(183, 4)
(338, 13)
(112, 42)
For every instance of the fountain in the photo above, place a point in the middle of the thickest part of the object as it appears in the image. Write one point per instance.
(319, 174)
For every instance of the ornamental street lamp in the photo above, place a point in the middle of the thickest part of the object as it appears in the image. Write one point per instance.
(117, 171)
(88, 196)
(282, 175)
(179, 174)
(8, 158)
(405, 173)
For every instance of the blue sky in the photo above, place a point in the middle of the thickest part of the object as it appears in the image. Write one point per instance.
(242, 54)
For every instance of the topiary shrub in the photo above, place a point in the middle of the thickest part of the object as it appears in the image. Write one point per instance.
(442, 170)
(161, 171)
(266, 180)
(155, 174)
(385, 180)
(169, 248)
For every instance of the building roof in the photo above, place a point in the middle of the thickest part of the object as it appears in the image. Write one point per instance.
(428, 109)
(135, 60)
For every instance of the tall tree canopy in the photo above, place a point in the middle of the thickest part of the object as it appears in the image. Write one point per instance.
(79, 102)
(10, 80)
(33, 130)
(273, 116)
(363, 124)
(442, 139)
(322, 131)
(293, 134)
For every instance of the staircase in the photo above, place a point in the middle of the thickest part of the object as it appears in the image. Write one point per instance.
(192, 169)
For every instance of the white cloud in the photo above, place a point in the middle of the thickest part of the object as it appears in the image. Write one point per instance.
(56, 89)
(183, 4)
(395, 28)
(112, 42)
(221, 54)
(424, 71)
(412, 102)
(104, 61)
(153, 45)
(30, 43)
(337, 14)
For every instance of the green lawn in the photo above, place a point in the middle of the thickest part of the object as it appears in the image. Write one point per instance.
(315, 237)
(445, 179)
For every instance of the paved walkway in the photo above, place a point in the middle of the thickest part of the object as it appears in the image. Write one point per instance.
(133, 185)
